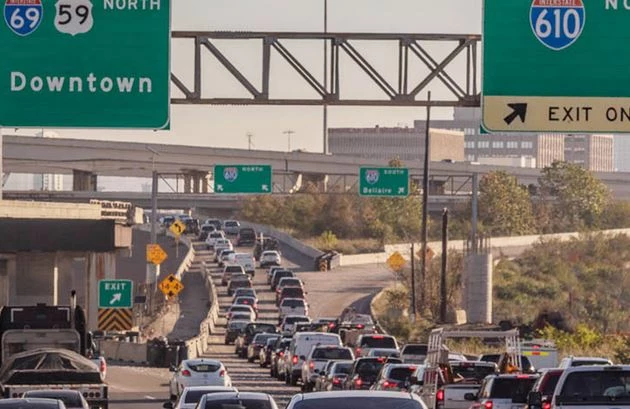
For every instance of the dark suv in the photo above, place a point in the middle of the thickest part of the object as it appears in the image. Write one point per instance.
(545, 385)
(246, 237)
(365, 371)
(248, 334)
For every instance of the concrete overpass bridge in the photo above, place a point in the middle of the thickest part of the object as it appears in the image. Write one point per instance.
(88, 159)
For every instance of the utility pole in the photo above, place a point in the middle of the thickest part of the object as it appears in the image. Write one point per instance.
(414, 308)
(288, 133)
(425, 203)
(151, 273)
(443, 293)
(475, 204)
(249, 140)
(325, 119)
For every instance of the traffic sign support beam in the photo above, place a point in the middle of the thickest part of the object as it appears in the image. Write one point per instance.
(464, 87)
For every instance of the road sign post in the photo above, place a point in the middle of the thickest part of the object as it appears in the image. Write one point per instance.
(384, 182)
(115, 294)
(230, 179)
(85, 64)
(556, 66)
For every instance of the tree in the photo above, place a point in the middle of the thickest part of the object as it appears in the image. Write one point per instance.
(577, 198)
(505, 207)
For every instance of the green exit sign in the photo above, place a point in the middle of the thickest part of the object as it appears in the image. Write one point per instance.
(384, 182)
(232, 179)
(115, 294)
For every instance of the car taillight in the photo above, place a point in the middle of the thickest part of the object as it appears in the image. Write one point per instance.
(546, 405)
(336, 381)
(294, 360)
(440, 395)
(360, 326)
(311, 365)
(358, 382)
(357, 352)
(281, 354)
(103, 366)
(185, 372)
(222, 373)
(388, 384)
(377, 336)
(488, 405)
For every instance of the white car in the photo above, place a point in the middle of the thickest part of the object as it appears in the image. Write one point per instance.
(270, 258)
(192, 395)
(221, 244)
(288, 323)
(213, 237)
(231, 227)
(247, 261)
(198, 372)
(293, 306)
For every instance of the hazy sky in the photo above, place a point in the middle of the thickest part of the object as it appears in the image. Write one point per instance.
(227, 126)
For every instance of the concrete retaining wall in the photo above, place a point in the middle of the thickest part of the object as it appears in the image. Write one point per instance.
(286, 239)
(124, 351)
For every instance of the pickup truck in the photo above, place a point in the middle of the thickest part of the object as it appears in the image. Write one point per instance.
(466, 379)
(589, 387)
(53, 368)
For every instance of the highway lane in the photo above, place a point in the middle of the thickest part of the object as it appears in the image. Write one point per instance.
(137, 387)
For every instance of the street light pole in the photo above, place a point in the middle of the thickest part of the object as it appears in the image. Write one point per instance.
(288, 133)
(425, 205)
(325, 124)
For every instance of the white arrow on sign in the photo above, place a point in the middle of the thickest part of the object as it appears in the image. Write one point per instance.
(219, 188)
(265, 188)
(115, 298)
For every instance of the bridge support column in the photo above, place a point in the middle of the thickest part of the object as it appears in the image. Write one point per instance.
(187, 183)
(99, 266)
(83, 181)
(196, 182)
(204, 183)
(478, 288)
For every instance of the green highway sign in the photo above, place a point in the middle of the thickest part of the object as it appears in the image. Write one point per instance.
(384, 182)
(115, 294)
(242, 179)
(85, 63)
(556, 65)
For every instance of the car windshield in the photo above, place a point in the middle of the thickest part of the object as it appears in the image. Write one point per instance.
(605, 385)
(369, 367)
(342, 368)
(233, 269)
(288, 302)
(71, 400)
(471, 371)
(238, 403)
(367, 402)
(289, 281)
(550, 383)
(231, 224)
(194, 396)
(332, 353)
(378, 342)
(292, 291)
(204, 366)
(263, 338)
(280, 274)
(415, 350)
(238, 324)
(514, 388)
(258, 328)
(401, 373)
(293, 320)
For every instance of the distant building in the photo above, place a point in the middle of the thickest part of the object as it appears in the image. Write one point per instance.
(389, 143)
(622, 153)
(517, 162)
(594, 152)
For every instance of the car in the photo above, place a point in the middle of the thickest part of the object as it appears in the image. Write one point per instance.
(503, 392)
(192, 226)
(214, 222)
(233, 329)
(278, 274)
(242, 316)
(365, 342)
(232, 309)
(258, 342)
(288, 282)
(572, 361)
(227, 257)
(247, 261)
(213, 237)
(292, 306)
(316, 361)
(198, 372)
(365, 371)
(246, 237)
(334, 376)
(244, 292)
(31, 403)
(496, 358)
(264, 356)
(414, 353)
(245, 300)
(545, 385)
(204, 230)
(395, 377)
(237, 400)
(287, 324)
(231, 227)
(230, 269)
(270, 258)
(277, 357)
(272, 270)
(290, 292)
(70, 398)
(356, 400)
(219, 246)
(192, 395)
(238, 282)
(301, 345)
(248, 334)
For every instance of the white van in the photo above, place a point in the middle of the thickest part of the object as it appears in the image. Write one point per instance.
(300, 347)
(247, 261)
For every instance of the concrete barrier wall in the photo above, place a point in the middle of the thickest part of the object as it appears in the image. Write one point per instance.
(358, 259)
(124, 351)
(286, 239)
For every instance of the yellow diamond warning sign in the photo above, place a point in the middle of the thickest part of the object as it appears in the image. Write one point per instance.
(171, 286)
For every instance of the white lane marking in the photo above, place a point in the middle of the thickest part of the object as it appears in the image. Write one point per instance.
(149, 397)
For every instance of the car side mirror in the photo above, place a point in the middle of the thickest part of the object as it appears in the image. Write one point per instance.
(470, 396)
(534, 399)
(167, 405)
